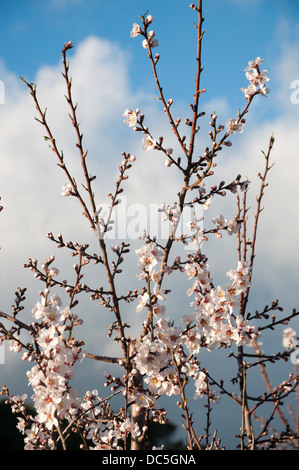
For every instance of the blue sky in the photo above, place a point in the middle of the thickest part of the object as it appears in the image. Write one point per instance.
(110, 72)
(33, 33)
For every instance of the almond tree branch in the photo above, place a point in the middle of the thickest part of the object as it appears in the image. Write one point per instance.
(160, 89)
(53, 146)
(200, 34)
(258, 212)
(92, 219)
(79, 144)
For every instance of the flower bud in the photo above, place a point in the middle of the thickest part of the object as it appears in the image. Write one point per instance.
(68, 45)
(149, 19)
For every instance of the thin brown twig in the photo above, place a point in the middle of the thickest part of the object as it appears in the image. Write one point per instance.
(256, 220)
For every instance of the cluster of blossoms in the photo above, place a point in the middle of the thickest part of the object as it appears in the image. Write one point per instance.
(55, 400)
(171, 212)
(232, 227)
(149, 40)
(164, 351)
(257, 85)
(214, 316)
(257, 78)
(101, 427)
(161, 360)
(131, 119)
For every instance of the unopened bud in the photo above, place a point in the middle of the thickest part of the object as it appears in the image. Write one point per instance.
(68, 45)
(149, 19)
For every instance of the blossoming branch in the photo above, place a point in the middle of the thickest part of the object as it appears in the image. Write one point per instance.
(166, 359)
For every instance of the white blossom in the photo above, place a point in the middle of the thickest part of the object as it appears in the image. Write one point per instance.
(135, 31)
(233, 126)
(131, 117)
(148, 143)
(289, 336)
(67, 190)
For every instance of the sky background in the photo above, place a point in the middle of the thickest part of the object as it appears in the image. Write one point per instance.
(111, 72)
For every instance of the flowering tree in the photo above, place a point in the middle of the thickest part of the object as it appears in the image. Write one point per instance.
(165, 359)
